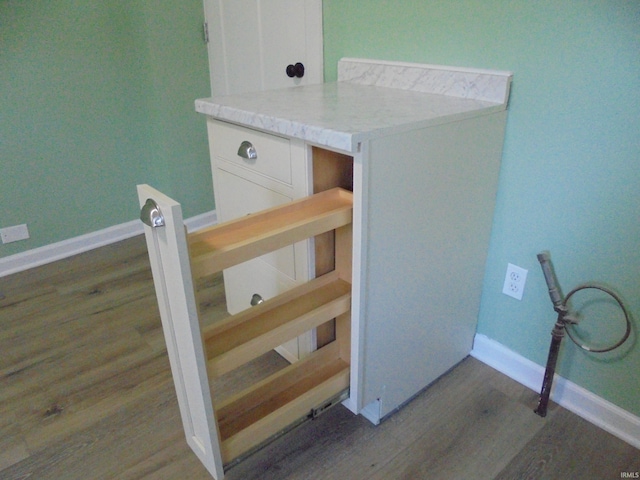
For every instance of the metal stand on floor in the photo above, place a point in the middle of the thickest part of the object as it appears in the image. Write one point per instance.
(563, 323)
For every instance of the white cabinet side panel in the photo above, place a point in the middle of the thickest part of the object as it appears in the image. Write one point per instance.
(430, 208)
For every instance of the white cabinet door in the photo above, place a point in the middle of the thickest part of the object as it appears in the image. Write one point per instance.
(251, 43)
(278, 174)
(266, 276)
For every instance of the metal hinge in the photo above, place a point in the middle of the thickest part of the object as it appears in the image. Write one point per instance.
(205, 31)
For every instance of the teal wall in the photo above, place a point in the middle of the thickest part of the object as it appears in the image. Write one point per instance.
(570, 180)
(97, 96)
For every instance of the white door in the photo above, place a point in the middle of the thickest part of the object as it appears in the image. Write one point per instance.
(252, 42)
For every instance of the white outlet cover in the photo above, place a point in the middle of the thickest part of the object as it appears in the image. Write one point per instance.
(14, 234)
(514, 281)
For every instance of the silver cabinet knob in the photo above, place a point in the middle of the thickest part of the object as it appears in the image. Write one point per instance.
(151, 215)
(247, 151)
(256, 300)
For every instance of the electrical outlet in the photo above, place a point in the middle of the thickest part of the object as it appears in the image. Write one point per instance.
(514, 281)
(15, 233)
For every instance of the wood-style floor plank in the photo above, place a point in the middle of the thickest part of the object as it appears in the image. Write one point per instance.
(570, 447)
(86, 393)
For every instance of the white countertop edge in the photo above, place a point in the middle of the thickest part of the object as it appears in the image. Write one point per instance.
(322, 136)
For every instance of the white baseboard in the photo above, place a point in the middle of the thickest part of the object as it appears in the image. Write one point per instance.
(72, 246)
(203, 220)
(574, 398)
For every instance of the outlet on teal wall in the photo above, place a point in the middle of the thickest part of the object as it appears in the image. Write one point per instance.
(570, 179)
(97, 97)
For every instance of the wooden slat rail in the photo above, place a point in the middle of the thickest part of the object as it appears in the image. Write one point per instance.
(238, 424)
(236, 241)
(247, 335)
(266, 408)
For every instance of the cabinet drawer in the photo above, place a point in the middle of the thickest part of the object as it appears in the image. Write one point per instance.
(273, 153)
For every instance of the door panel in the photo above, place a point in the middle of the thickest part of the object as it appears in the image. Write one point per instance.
(277, 33)
(170, 266)
(251, 42)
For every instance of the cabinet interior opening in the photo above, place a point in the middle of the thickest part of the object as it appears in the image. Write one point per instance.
(330, 169)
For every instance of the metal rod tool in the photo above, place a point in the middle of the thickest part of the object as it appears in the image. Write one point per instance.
(563, 322)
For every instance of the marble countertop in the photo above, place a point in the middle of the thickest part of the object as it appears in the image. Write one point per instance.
(342, 114)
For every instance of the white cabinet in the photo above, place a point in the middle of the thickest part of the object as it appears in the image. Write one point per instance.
(399, 259)
(425, 144)
(253, 171)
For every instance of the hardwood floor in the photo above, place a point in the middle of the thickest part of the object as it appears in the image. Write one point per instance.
(86, 393)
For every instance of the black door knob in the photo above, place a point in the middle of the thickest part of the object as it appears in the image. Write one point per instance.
(296, 70)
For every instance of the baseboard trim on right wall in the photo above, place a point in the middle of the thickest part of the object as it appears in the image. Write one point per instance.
(574, 398)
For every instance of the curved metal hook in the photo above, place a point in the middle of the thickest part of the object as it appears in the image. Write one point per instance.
(620, 304)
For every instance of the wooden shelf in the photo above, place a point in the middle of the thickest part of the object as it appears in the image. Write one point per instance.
(255, 415)
(229, 243)
(247, 335)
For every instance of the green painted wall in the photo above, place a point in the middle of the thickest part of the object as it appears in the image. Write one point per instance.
(97, 96)
(570, 180)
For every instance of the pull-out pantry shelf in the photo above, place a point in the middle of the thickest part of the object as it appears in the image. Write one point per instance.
(248, 334)
(220, 431)
(257, 414)
(236, 241)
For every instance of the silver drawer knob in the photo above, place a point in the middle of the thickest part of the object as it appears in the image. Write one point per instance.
(247, 151)
(256, 300)
(151, 215)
